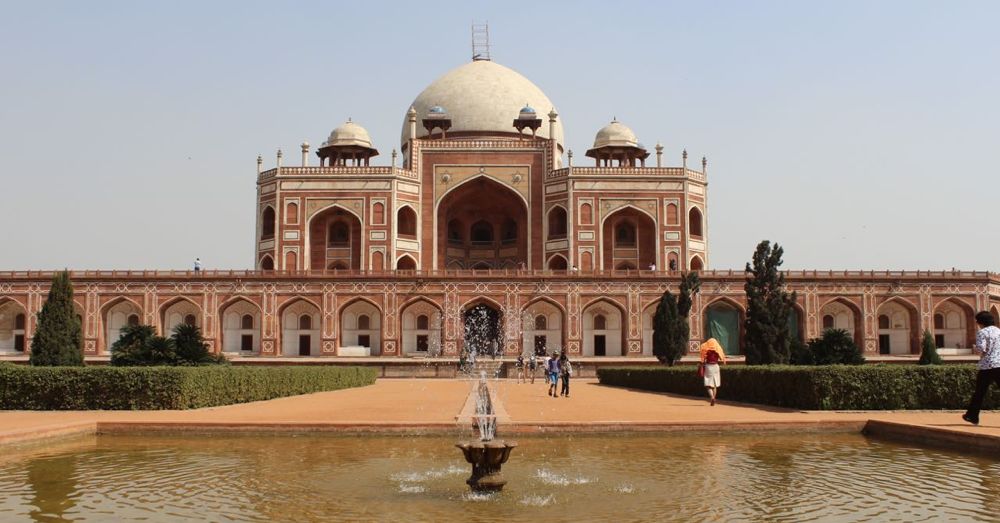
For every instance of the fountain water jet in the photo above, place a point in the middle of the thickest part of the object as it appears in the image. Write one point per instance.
(486, 455)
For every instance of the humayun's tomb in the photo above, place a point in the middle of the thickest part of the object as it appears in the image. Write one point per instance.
(478, 211)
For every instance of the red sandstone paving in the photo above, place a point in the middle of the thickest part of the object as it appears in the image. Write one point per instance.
(430, 402)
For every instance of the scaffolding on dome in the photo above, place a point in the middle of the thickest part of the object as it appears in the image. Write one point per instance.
(481, 41)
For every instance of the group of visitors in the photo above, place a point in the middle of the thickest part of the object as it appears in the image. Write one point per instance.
(555, 366)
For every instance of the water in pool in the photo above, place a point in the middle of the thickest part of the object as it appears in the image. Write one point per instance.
(607, 477)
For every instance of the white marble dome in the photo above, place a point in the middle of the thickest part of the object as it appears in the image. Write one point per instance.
(615, 134)
(349, 133)
(482, 96)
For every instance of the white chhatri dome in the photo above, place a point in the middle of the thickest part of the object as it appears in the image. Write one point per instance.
(615, 134)
(349, 133)
(482, 96)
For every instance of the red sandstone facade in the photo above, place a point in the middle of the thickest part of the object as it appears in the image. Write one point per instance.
(354, 259)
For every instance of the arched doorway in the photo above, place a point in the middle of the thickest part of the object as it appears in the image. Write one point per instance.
(896, 328)
(116, 317)
(241, 328)
(406, 222)
(557, 223)
(178, 312)
(629, 240)
(335, 240)
(361, 326)
(483, 333)
(406, 263)
(557, 263)
(482, 223)
(300, 329)
(724, 322)
(541, 325)
(603, 330)
(841, 314)
(13, 325)
(953, 328)
(422, 328)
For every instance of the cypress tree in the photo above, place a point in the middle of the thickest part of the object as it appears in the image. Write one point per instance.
(57, 340)
(928, 351)
(671, 329)
(769, 305)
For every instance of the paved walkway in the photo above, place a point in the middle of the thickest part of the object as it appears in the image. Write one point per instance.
(435, 405)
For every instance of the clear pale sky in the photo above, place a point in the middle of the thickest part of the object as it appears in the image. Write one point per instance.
(857, 134)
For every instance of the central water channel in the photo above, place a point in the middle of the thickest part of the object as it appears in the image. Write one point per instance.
(607, 477)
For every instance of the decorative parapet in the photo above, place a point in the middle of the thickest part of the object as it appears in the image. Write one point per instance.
(451, 143)
(985, 277)
(337, 171)
(626, 171)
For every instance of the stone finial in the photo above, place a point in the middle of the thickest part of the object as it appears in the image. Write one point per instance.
(569, 155)
(260, 163)
(280, 155)
(394, 154)
(658, 147)
(411, 115)
(704, 164)
(659, 154)
(553, 114)
(305, 154)
(684, 155)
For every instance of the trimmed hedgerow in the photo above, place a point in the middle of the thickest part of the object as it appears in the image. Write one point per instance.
(831, 387)
(156, 388)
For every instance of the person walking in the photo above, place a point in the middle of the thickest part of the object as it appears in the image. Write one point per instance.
(519, 365)
(565, 371)
(711, 354)
(532, 366)
(988, 346)
(552, 368)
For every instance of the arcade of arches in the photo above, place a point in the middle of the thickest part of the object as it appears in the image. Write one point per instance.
(482, 225)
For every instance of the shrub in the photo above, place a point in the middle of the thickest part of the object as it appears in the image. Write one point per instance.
(835, 347)
(830, 387)
(57, 340)
(801, 354)
(139, 345)
(154, 388)
(928, 351)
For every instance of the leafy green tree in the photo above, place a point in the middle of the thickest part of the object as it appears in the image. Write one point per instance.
(131, 348)
(835, 347)
(161, 351)
(769, 305)
(928, 351)
(671, 329)
(58, 340)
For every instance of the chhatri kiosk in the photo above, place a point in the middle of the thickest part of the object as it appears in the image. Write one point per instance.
(482, 220)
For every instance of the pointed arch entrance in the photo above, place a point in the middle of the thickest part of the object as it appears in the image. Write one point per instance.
(335, 240)
(629, 240)
(484, 224)
(13, 322)
(483, 332)
(724, 322)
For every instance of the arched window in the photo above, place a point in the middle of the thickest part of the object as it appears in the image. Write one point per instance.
(423, 323)
(378, 213)
(509, 231)
(600, 322)
(19, 322)
(338, 266)
(586, 261)
(557, 223)
(189, 319)
(406, 222)
(672, 261)
(482, 232)
(339, 235)
(267, 224)
(305, 322)
(672, 214)
(625, 235)
(939, 321)
(133, 320)
(541, 323)
(694, 222)
(246, 322)
(827, 322)
(291, 261)
(364, 322)
(586, 214)
(557, 263)
(292, 213)
(377, 261)
(455, 232)
(406, 263)
(625, 266)
(696, 264)
(883, 321)
(266, 264)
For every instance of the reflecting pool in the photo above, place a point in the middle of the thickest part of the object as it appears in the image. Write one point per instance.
(607, 477)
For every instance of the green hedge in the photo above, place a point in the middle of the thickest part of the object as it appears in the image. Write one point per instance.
(833, 387)
(154, 388)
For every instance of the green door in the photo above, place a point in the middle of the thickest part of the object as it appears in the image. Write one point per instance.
(723, 324)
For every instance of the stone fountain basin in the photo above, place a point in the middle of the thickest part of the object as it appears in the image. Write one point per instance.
(488, 453)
